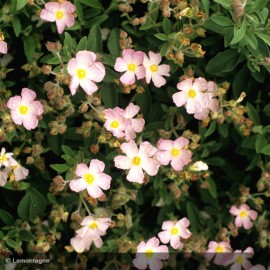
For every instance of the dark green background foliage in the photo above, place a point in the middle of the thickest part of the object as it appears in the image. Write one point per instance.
(226, 44)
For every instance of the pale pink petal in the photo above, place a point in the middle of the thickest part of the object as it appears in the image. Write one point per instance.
(162, 252)
(247, 265)
(30, 122)
(74, 84)
(167, 225)
(78, 185)
(140, 262)
(53, 6)
(212, 245)
(85, 58)
(214, 105)
(68, 7)
(3, 47)
(163, 157)
(128, 78)
(88, 86)
(60, 24)
(137, 124)
(138, 57)
(236, 266)
(16, 117)
(96, 72)
(131, 110)
(247, 224)
(249, 252)
(122, 162)
(234, 211)
(120, 65)
(98, 242)
(47, 15)
(164, 70)
(127, 55)
(14, 102)
(147, 150)
(130, 149)
(87, 221)
(177, 163)
(28, 95)
(69, 20)
(78, 244)
(180, 143)
(158, 80)
(150, 166)
(140, 72)
(185, 85)
(94, 191)
(135, 174)
(155, 58)
(175, 242)
(165, 237)
(183, 222)
(179, 98)
(96, 166)
(252, 214)
(165, 144)
(155, 264)
(81, 169)
(153, 242)
(104, 181)
(244, 207)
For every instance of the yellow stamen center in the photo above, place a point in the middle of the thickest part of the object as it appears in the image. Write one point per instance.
(93, 226)
(219, 249)
(154, 68)
(149, 253)
(23, 109)
(114, 124)
(3, 158)
(131, 67)
(175, 152)
(136, 161)
(89, 178)
(81, 73)
(174, 231)
(192, 93)
(59, 14)
(239, 259)
(243, 214)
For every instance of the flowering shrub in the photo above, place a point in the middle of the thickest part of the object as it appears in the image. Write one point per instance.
(134, 134)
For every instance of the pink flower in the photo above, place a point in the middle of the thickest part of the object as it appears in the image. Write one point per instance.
(151, 254)
(62, 14)
(258, 267)
(137, 160)
(91, 178)
(115, 121)
(173, 152)
(191, 95)
(6, 158)
(154, 71)
(243, 216)
(90, 232)
(173, 231)
(24, 109)
(3, 47)
(122, 123)
(84, 71)
(221, 251)
(20, 172)
(135, 125)
(131, 62)
(239, 259)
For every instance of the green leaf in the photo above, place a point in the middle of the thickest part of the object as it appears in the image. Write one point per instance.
(16, 23)
(109, 96)
(6, 217)
(12, 243)
(98, 20)
(60, 168)
(94, 39)
(68, 150)
(212, 187)
(266, 150)
(225, 3)
(144, 100)
(263, 37)
(29, 48)
(239, 33)
(223, 62)
(261, 142)
(252, 114)
(27, 236)
(82, 44)
(31, 205)
(21, 4)
(167, 26)
(93, 3)
(211, 129)
(113, 42)
(221, 20)
(192, 214)
(161, 36)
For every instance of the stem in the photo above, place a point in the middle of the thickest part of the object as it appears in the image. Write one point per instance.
(85, 205)
(90, 104)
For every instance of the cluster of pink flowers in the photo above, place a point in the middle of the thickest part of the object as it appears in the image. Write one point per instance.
(91, 178)
(122, 122)
(85, 71)
(60, 13)
(152, 254)
(91, 231)
(137, 64)
(223, 255)
(197, 96)
(149, 158)
(9, 166)
(25, 109)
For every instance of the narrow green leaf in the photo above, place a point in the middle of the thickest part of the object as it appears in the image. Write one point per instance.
(221, 20)
(60, 168)
(93, 3)
(261, 142)
(266, 150)
(212, 187)
(21, 4)
(113, 42)
(239, 33)
(6, 217)
(16, 23)
(82, 44)
(252, 114)
(161, 36)
(263, 37)
(211, 129)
